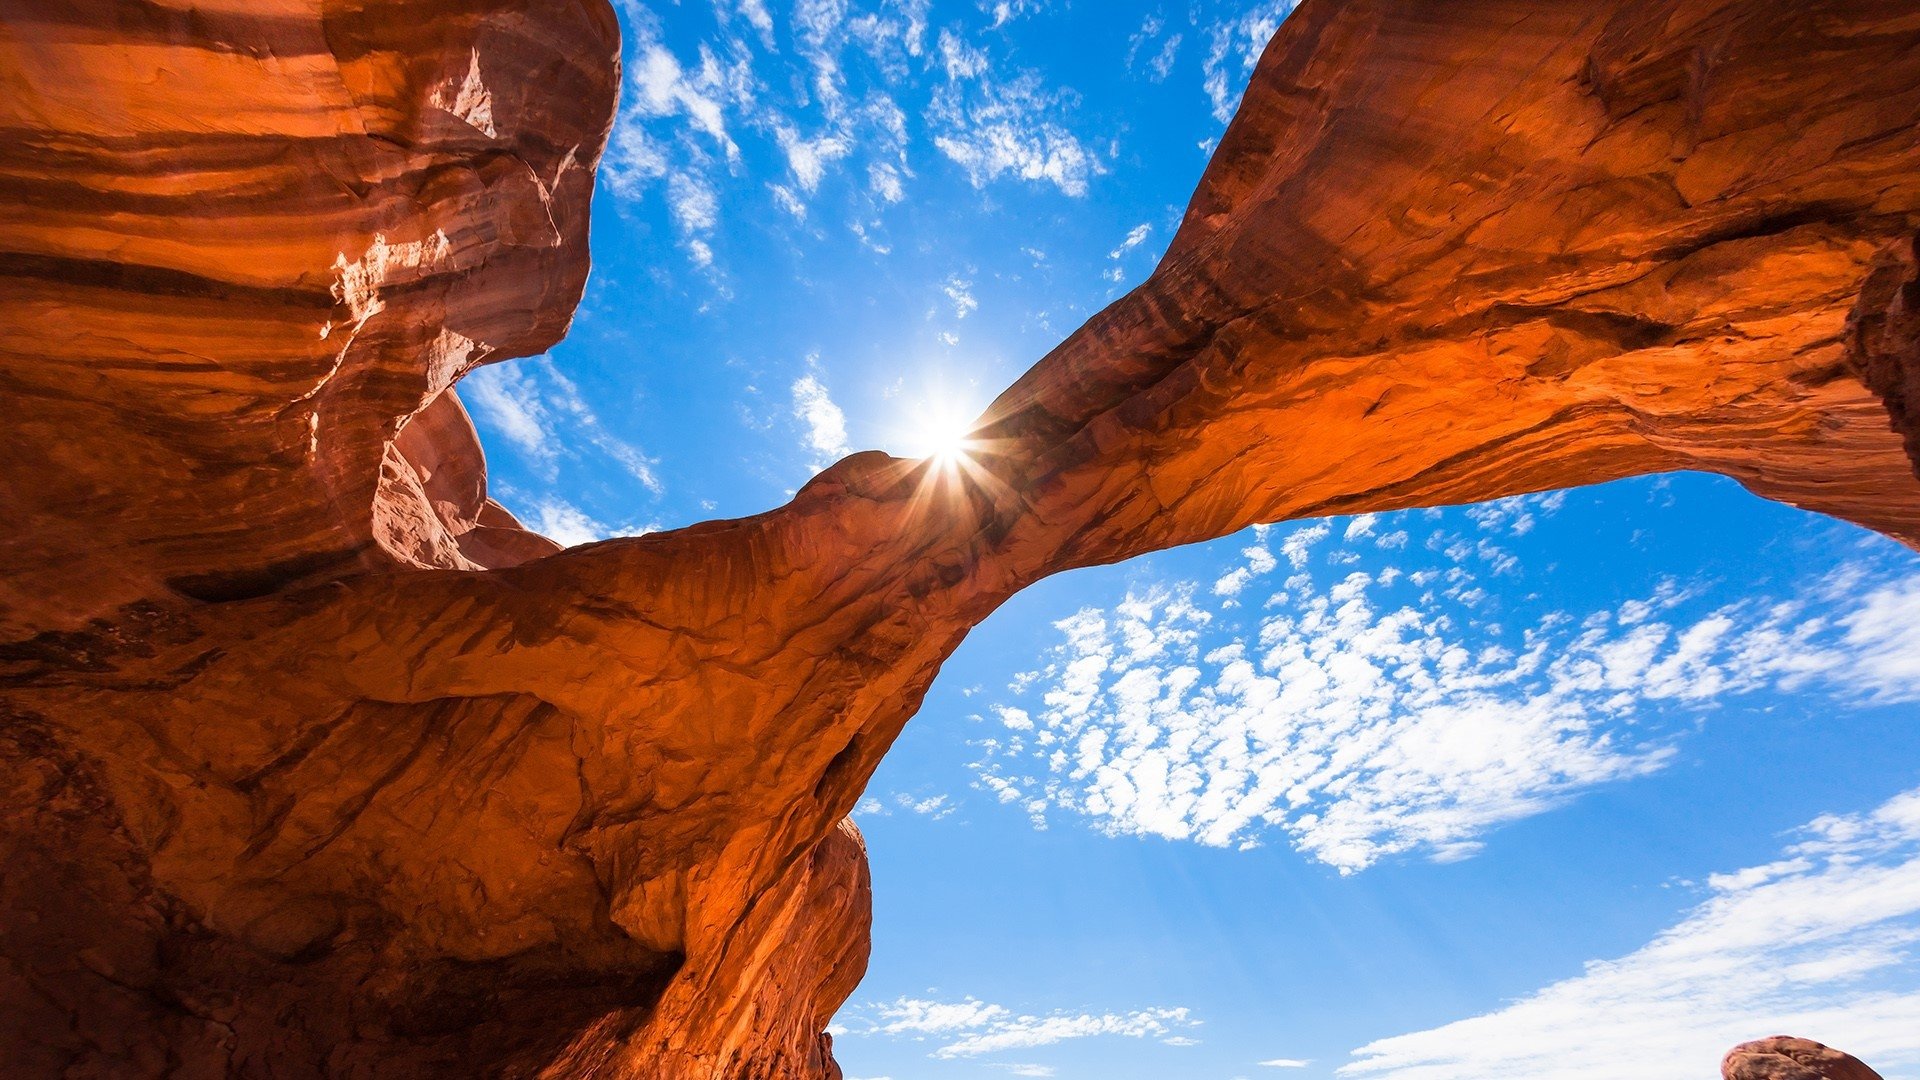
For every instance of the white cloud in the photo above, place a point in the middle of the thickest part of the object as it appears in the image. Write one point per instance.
(931, 806)
(808, 158)
(785, 199)
(994, 128)
(936, 806)
(1150, 29)
(1369, 715)
(1234, 46)
(971, 1027)
(988, 148)
(506, 396)
(673, 124)
(1027, 1070)
(566, 524)
(1026, 1032)
(1135, 237)
(662, 88)
(885, 180)
(686, 108)
(1817, 943)
(961, 60)
(1259, 561)
(1004, 11)
(920, 1017)
(695, 208)
(826, 433)
(673, 117)
(1162, 63)
(1286, 1063)
(1299, 542)
(755, 12)
(543, 414)
(960, 292)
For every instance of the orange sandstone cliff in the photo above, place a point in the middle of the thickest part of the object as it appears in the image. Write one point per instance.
(311, 764)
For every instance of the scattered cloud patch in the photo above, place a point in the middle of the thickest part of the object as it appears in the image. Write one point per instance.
(865, 86)
(995, 127)
(1361, 715)
(971, 1028)
(1159, 52)
(1005, 11)
(960, 293)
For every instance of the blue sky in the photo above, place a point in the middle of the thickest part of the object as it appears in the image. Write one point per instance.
(1579, 785)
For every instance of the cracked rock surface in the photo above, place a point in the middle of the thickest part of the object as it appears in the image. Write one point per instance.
(313, 762)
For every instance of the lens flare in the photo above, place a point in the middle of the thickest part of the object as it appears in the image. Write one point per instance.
(939, 431)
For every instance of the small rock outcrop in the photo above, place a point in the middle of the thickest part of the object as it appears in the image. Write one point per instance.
(1783, 1057)
(311, 764)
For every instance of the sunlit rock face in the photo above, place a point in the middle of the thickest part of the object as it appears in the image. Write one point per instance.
(1785, 1058)
(245, 242)
(311, 766)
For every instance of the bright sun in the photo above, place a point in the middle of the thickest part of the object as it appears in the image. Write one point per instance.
(939, 430)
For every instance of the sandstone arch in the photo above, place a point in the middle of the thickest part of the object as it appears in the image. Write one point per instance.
(291, 784)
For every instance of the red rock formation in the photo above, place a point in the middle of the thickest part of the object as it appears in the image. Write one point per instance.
(1783, 1057)
(244, 243)
(288, 786)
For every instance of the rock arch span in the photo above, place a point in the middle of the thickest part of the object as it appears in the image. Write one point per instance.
(312, 765)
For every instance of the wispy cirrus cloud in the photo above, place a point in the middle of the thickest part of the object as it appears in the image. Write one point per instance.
(1360, 715)
(930, 806)
(1817, 942)
(971, 1028)
(1234, 46)
(1135, 237)
(544, 416)
(1005, 11)
(1160, 52)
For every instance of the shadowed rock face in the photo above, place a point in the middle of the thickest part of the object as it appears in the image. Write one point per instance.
(306, 769)
(1785, 1058)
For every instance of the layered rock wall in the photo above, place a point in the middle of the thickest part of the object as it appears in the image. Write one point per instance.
(310, 765)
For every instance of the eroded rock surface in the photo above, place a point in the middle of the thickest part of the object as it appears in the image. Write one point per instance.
(1786, 1058)
(311, 766)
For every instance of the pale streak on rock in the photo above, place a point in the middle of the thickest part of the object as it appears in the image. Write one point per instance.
(471, 101)
(290, 785)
